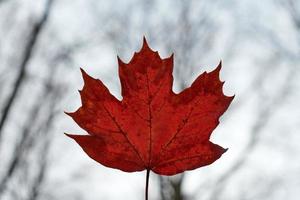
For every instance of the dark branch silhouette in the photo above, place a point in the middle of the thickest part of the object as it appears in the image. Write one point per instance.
(27, 134)
(263, 116)
(43, 157)
(262, 119)
(32, 40)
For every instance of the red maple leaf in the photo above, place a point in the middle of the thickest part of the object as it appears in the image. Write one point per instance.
(152, 127)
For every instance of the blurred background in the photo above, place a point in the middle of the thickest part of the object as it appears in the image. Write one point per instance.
(44, 43)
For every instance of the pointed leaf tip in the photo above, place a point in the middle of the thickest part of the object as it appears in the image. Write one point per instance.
(83, 73)
(145, 43)
(85, 76)
(82, 70)
(144, 40)
(67, 134)
(71, 114)
(70, 135)
(219, 66)
(170, 60)
(120, 61)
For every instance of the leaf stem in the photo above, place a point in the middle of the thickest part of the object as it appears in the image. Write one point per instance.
(147, 184)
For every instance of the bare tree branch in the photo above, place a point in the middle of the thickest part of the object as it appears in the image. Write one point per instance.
(3, 1)
(26, 134)
(263, 117)
(262, 120)
(164, 193)
(294, 13)
(34, 35)
(43, 157)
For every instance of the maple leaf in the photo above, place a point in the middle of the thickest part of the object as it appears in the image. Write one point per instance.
(152, 127)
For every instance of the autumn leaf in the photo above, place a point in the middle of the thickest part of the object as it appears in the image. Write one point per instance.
(152, 127)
